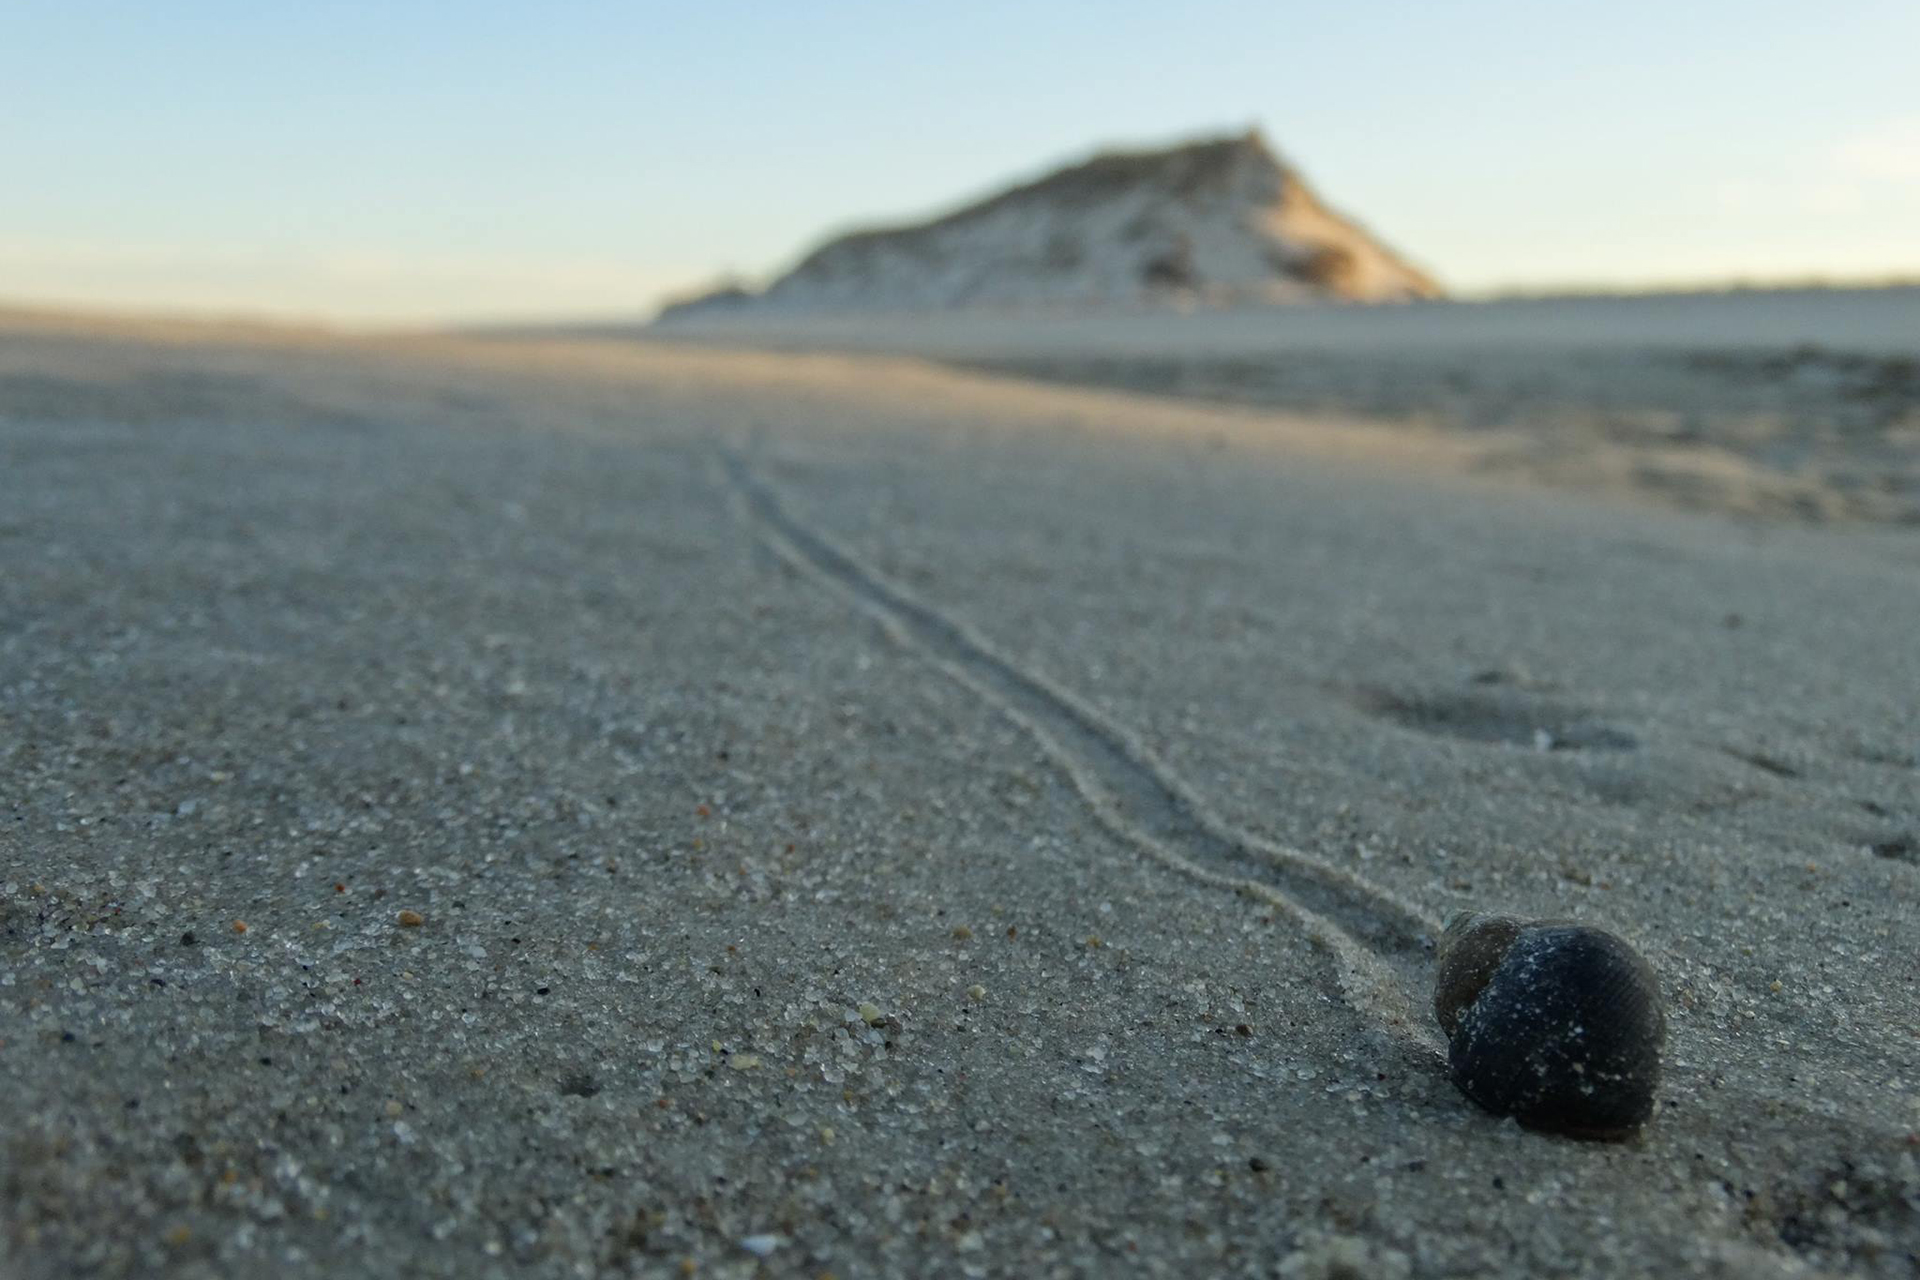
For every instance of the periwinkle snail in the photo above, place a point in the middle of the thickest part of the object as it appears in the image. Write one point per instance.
(1554, 1023)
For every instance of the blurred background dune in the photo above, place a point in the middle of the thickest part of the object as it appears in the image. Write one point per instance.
(416, 163)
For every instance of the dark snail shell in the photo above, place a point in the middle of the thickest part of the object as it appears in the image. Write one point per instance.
(1556, 1024)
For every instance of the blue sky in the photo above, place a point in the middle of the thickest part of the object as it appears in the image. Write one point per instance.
(406, 161)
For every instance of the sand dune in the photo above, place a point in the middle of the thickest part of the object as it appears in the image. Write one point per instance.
(1217, 219)
(876, 818)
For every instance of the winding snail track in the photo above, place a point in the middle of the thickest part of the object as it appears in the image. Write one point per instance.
(1379, 943)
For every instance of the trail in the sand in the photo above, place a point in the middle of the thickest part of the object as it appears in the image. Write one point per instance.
(1379, 942)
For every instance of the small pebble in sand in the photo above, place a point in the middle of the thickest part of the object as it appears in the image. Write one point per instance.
(411, 919)
(871, 1015)
(1557, 1024)
(1342, 1257)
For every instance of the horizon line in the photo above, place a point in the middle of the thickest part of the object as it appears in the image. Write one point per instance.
(14, 309)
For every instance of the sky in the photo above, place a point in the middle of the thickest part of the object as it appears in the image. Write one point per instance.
(409, 162)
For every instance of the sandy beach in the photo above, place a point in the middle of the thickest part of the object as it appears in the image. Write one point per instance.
(508, 807)
(1799, 404)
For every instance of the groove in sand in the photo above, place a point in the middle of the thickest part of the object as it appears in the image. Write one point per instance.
(1378, 941)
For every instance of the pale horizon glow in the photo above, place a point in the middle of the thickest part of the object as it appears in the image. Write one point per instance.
(407, 162)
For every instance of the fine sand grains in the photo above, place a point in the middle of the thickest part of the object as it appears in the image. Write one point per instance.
(1069, 920)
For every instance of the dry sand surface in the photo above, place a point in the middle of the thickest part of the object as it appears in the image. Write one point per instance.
(1797, 404)
(503, 809)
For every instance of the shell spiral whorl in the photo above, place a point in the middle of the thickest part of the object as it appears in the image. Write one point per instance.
(1557, 1024)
